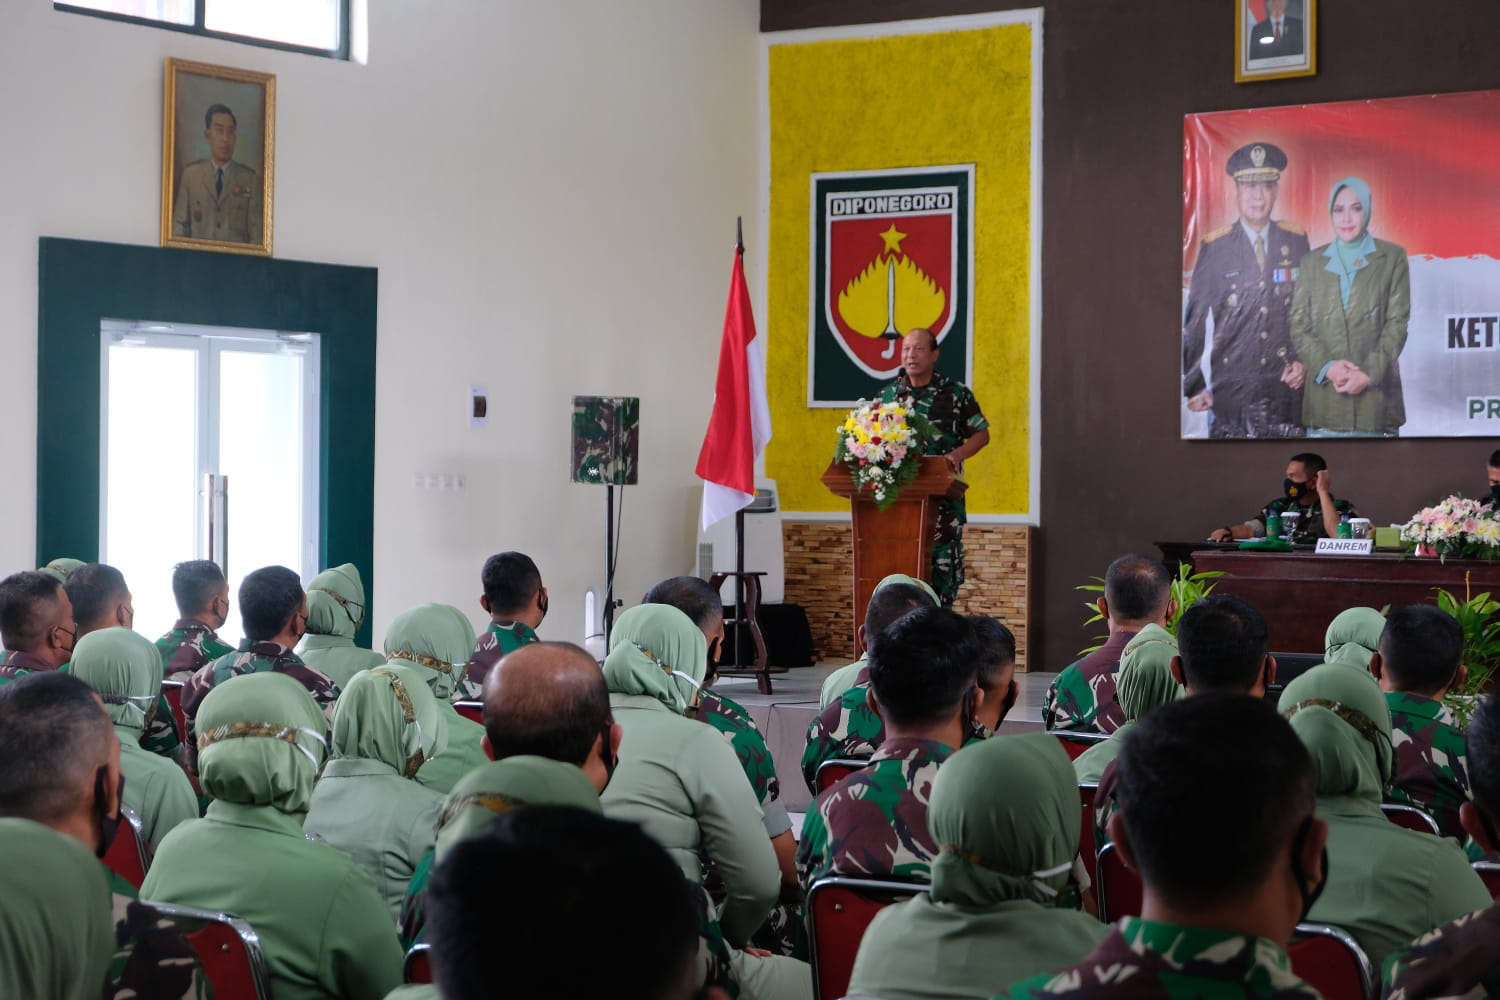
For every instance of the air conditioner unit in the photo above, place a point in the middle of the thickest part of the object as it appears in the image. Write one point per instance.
(763, 546)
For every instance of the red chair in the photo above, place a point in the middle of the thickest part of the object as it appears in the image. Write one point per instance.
(1489, 873)
(418, 967)
(1410, 818)
(831, 772)
(173, 692)
(1329, 960)
(471, 710)
(1088, 850)
(1118, 887)
(1076, 743)
(227, 949)
(838, 911)
(128, 855)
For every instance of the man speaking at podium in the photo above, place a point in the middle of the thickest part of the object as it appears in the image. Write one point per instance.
(960, 430)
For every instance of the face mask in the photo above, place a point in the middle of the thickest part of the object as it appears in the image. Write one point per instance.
(542, 603)
(1294, 491)
(606, 756)
(1039, 878)
(1309, 896)
(109, 826)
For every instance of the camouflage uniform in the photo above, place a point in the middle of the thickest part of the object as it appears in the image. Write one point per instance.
(152, 956)
(1082, 697)
(733, 722)
(1458, 959)
(15, 665)
(260, 657)
(496, 641)
(1430, 771)
(1150, 959)
(848, 727)
(1310, 524)
(953, 411)
(189, 646)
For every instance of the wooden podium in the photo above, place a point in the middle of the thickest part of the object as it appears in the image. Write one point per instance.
(899, 538)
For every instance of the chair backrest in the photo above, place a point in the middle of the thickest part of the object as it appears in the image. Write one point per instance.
(227, 949)
(838, 911)
(831, 772)
(471, 710)
(173, 692)
(1489, 873)
(1119, 888)
(1088, 850)
(418, 967)
(1329, 960)
(129, 856)
(1410, 817)
(1076, 743)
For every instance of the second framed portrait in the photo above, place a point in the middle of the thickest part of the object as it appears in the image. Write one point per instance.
(1275, 39)
(218, 158)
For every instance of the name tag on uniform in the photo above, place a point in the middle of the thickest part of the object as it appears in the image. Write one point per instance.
(1283, 275)
(1345, 546)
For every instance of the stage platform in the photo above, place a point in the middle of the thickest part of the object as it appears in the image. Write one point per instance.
(783, 717)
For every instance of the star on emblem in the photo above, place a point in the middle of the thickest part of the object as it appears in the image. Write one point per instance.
(893, 238)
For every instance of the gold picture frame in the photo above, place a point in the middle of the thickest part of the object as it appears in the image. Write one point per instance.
(1274, 46)
(218, 146)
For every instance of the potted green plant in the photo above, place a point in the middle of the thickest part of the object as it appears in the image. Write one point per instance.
(1479, 617)
(1187, 589)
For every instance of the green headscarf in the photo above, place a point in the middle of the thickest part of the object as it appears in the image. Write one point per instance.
(1342, 718)
(124, 669)
(1347, 257)
(57, 933)
(913, 581)
(504, 785)
(1004, 813)
(656, 650)
(1145, 679)
(389, 714)
(336, 602)
(260, 742)
(1352, 636)
(60, 567)
(435, 640)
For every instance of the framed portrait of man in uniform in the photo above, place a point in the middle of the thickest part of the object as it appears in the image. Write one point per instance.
(217, 159)
(1275, 39)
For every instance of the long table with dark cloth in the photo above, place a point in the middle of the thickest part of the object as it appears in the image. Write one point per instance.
(1299, 592)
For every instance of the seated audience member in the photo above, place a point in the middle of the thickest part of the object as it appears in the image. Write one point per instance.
(1418, 661)
(1223, 887)
(848, 676)
(1353, 636)
(1137, 593)
(1386, 884)
(36, 625)
(996, 675)
(60, 567)
(848, 727)
(1005, 814)
(64, 772)
(1308, 492)
(563, 862)
(922, 684)
(202, 596)
(1460, 959)
(435, 641)
(516, 602)
(335, 612)
(273, 611)
(56, 937)
(322, 925)
(124, 669)
(681, 782)
(367, 802)
(1146, 682)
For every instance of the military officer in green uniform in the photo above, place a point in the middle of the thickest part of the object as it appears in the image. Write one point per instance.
(36, 625)
(202, 596)
(1243, 279)
(219, 198)
(1307, 492)
(959, 432)
(517, 603)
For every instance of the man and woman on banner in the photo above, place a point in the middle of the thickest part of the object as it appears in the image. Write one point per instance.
(1303, 343)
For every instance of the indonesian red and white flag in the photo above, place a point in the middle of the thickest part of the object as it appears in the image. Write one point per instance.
(740, 424)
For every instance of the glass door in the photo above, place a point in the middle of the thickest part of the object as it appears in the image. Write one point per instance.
(209, 450)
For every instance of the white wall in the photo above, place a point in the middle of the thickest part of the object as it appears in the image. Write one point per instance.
(548, 190)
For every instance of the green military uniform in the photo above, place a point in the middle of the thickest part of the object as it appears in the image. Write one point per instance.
(1152, 959)
(844, 678)
(1385, 885)
(847, 728)
(55, 930)
(14, 665)
(1309, 525)
(1145, 682)
(681, 783)
(322, 924)
(1458, 959)
(257, 658)
(124, 669)
(152, 957)
(189, 646)
(1082, 697)
(335, 612)
(1353, 636)
(367, 802)
(954, 413)
(500, 638)
(1430, 771)
(435, 641)
(1005, 816)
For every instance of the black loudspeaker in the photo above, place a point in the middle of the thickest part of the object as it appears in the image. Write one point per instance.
(606, 439)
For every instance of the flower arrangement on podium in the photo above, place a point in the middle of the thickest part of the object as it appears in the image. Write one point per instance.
(880, 444)
(1456, 527)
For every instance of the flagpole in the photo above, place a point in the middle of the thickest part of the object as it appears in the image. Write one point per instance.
(739, 515)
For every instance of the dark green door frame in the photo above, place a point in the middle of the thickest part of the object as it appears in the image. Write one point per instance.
(82, 283)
